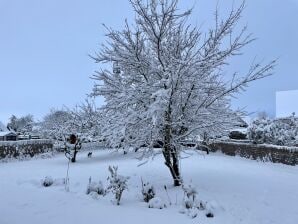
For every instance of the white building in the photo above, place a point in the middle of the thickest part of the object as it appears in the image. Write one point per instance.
(286, 103)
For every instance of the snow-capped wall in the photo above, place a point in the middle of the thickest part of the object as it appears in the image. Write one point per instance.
(15, 149)
(263, 152)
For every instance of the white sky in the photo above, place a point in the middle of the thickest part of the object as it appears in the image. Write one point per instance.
(44, 47)
(286, 103)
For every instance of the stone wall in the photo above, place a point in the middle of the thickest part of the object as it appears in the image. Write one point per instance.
(16, 149)
(272, 153)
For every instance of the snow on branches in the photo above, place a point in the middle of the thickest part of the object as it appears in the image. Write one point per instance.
(117, 183)
(169, 83)
(280, 131)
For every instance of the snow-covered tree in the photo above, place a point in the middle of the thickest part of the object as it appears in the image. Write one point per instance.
(280, 131)
(87, 120)
(22, 125)
(169, 82)
(83, 119)
(80, 123)
(60, 126)
(55, 125)
(2, 127)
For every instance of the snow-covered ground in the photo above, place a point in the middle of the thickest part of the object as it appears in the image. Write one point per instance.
(241, 191)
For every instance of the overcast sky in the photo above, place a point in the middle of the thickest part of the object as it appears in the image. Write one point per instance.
(44, 47)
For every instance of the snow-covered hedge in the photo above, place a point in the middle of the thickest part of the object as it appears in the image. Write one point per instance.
(277, 132)
(264, 152)
(27, 148)
(25, 142)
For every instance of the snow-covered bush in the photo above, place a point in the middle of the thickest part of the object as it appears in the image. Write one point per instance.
(211, 208)
(117, 183)
(190, 194)
(95, 187)
(191, 205)
(148, 191)
(47, 181)
(157, 203)
(282, 131)
(192, 212)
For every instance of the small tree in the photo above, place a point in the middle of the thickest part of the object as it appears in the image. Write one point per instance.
(118, 183)
(72, 146)
(71, 127)
(169, 82)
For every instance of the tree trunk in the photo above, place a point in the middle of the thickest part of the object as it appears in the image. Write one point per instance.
(73, 159)
(170, 152)
(172, 162)
(177, 180)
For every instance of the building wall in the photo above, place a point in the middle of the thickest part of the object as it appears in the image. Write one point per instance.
(10, 138)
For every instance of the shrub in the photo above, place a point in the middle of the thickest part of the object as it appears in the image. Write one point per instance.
(156, 203)
(117, 183)
(191, 205)
(278, 132)
(47, 181)
(190, 194)
(148, 191)
(95, 187)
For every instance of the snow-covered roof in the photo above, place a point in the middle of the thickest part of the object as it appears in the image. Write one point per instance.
(5, 133)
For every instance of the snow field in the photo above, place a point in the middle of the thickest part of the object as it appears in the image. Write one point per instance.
(236, 189)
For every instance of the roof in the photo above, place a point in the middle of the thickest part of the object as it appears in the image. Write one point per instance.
(5, 133)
